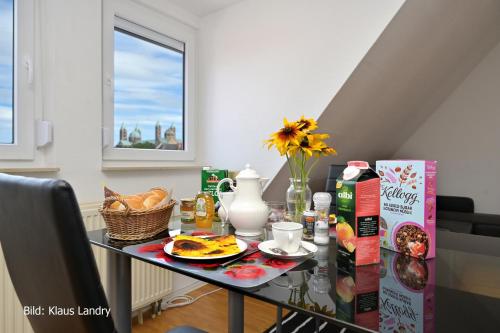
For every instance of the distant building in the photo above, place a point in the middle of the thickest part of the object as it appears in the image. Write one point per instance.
(169, 142)
(135, 136)
(124, 142)
(134, 140)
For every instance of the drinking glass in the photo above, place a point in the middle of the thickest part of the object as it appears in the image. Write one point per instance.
(277, 211)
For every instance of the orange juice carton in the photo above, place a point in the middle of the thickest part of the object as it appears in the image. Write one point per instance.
(357, 295)
(408, 207)
(358, 208)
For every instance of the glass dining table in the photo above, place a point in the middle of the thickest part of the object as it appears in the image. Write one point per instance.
(458, 291)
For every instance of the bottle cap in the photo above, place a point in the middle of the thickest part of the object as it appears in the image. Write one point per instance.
(322, 200)
(359, 164)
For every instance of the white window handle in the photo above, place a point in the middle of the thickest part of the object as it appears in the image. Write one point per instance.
(28, 66)
(105, 137)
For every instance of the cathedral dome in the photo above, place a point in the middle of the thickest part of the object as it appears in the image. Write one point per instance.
(135, 136)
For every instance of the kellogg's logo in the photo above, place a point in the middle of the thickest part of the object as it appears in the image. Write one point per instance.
(391, 192)
(398, 310)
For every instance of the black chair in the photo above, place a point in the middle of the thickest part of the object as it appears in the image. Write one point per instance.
(48, 255)
(454, 204)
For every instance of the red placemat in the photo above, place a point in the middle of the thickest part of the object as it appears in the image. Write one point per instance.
(250, 271)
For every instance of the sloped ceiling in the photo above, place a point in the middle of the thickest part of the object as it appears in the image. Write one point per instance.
(422, 56)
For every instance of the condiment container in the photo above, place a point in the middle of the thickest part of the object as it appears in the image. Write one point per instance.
(322, 202)
(308, 220)
(187, 210)
(204, 210)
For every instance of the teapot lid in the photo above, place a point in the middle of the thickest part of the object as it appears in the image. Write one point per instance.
(248, 173)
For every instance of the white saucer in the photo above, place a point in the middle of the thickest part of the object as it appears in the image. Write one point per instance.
(267, 245)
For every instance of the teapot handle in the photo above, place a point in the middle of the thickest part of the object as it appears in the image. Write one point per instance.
(231, 184)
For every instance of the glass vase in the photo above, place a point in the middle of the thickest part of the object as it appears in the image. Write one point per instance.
(298, 198)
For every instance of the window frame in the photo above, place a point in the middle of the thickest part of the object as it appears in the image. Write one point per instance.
(143, 21)
(23, 147)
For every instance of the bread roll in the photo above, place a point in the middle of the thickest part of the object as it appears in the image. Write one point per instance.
(117, 205)
(152, 201)
(159, 192)
(135, 202)
(141, 201)
(145, 195)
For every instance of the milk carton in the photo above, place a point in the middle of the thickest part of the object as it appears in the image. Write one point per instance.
(407, 294)
(358, 208)
(408, 207)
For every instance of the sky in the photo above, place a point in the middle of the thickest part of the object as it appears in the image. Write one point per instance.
(6, 65)
(148, 86)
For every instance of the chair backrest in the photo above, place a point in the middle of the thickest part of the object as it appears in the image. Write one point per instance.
(455, 204)
(48, 255)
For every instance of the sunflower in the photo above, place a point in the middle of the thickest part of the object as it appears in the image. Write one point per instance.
(289, 134)
(325, 151)
(307, 124)
(302, 149)
(310, 143)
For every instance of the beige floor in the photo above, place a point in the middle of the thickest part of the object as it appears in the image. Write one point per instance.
(210, 314)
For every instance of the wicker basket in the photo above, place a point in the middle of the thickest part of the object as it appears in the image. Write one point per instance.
(134, 225)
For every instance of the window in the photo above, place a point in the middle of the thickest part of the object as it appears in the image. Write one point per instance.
(148, 94)
(6, 72)
(16, 80)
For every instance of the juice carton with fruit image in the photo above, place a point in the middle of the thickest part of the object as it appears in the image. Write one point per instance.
(357, 295)
(408, 207)
(358, 207)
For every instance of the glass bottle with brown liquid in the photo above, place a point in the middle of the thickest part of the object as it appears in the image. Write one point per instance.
(204, 210)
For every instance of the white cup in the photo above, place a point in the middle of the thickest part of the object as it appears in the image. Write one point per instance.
(287, 235)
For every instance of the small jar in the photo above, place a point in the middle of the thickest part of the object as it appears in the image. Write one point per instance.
(187, 210)
(309, 218)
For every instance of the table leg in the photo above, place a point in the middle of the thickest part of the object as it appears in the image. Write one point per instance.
(279, 318)
(119, 290)
(235, 312)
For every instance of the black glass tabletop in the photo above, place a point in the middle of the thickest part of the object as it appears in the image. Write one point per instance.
(458, 291)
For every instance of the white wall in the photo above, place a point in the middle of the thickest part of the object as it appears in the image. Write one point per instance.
(463, 136)
(70, 52)
(263, 60)
(423, 55)
(259, 61)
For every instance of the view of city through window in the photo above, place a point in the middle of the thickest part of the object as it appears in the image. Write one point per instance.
(6, 71)
(148, 94)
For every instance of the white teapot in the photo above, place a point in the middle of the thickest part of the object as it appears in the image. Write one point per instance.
(247, 211)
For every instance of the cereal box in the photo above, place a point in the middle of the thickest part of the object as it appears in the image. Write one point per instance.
(358, 208)
(407, 289)
(408, 207)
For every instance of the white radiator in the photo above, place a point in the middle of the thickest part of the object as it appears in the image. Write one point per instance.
(12, 318)
(149, 283)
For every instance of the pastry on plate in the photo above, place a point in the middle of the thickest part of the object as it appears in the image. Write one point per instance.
(191, 246)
